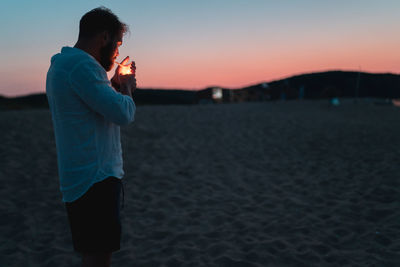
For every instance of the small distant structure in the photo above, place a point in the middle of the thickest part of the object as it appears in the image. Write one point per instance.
(217, 94)
(212, 95)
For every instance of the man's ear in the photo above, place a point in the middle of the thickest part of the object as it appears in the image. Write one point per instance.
(105, 37)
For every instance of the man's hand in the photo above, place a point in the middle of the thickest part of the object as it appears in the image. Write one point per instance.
(128, 84)
(122, 69)
(115, 81)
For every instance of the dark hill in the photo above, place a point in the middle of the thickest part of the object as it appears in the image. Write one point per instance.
(164, 97)
(24, 102)
(335, 84)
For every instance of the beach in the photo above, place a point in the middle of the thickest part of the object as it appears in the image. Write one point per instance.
(295, 183)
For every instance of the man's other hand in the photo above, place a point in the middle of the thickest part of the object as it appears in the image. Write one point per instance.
(127, 84)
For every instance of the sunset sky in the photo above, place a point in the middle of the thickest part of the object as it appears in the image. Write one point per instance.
(195, 44)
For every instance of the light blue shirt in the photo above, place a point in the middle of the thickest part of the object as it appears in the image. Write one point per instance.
(86, 113)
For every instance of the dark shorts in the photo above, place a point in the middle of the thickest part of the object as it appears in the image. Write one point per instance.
(94, 218)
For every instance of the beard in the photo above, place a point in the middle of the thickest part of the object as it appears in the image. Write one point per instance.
(106, 56)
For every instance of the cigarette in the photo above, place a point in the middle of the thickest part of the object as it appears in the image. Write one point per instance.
(125, 66)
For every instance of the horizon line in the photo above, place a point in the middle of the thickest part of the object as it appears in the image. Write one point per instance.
(229, 88)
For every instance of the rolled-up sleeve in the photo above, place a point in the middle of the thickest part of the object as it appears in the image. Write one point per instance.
(90, 82)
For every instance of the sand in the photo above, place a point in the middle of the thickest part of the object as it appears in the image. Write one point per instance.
(253, 184)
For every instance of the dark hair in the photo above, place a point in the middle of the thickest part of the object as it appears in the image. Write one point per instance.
(98, 20)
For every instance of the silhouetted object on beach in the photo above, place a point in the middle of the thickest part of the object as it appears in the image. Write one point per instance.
(301, 92)
(335, 101)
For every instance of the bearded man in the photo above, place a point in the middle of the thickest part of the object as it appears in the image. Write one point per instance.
(87, 111)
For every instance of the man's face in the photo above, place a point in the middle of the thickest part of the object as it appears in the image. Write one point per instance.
(110, 52)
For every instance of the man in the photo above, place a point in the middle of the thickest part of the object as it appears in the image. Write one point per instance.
(87, 110)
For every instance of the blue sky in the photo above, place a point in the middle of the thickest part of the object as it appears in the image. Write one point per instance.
(194, 44)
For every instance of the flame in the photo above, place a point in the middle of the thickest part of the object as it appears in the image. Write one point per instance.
(124, 69)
